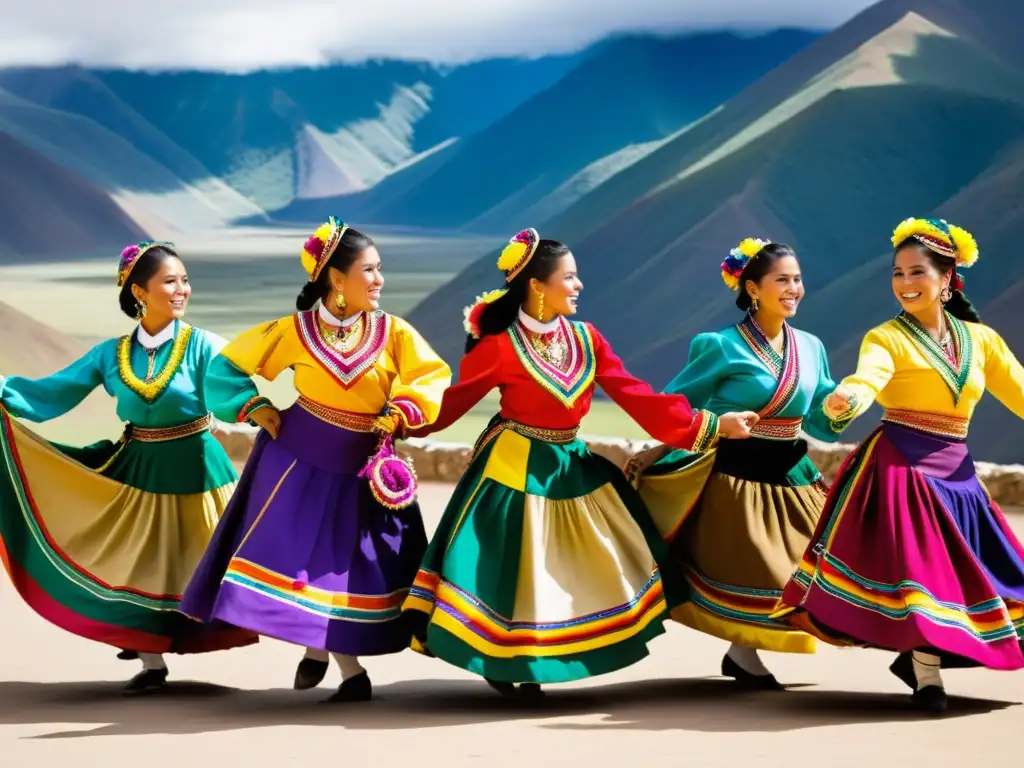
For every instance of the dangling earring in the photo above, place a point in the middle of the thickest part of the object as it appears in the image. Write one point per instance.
(754, 306)
(946, 294)
(540, 307)
(140, 309)
(339, 301)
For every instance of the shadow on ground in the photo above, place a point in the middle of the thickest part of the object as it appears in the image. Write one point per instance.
(698, 704)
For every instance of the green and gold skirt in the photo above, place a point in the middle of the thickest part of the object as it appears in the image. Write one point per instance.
(102, 540)
(544, 567)
(744, 528)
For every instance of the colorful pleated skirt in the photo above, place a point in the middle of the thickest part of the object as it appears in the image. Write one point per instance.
(747, 511)
(911, 553)
(101, 540)
(544, 567)
(304, 553)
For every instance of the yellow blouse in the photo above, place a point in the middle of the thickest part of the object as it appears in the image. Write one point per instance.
(903, 368)
(383, 362)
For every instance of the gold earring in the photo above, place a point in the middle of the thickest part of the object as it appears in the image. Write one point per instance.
(339, 301)
(140, 309)
(754, 305)
(946, 294)
(540, 307)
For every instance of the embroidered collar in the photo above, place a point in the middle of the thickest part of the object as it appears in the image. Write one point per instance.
(334, 322)
(346, 368)
(785, 367)
(156, 340)
(569, 383)
(536, 325)
(954, 375)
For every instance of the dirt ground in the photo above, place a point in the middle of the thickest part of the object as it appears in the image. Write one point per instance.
(59, 704)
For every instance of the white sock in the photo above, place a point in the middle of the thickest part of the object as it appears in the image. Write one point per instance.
(317, 655)
(152, 661)
(748, 659)
(927, 669)
(349, 665)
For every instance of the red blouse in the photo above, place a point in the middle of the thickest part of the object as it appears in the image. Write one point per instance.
(536, 393)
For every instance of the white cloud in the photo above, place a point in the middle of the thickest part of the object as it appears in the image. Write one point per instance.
(248, 34)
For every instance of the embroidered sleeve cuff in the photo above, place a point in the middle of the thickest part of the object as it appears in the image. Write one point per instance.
(409, 412)
(707, 430)
(253, 405)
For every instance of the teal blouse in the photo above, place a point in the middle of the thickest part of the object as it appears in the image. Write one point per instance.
(175, 395)
(736, 369)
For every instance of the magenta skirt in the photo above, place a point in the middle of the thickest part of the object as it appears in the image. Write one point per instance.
(912, 553)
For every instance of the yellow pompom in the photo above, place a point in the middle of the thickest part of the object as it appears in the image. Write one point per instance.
(966, 247)
(903, 230)
(491, 296)
(731, 281)
(511, 255)
(751, 246)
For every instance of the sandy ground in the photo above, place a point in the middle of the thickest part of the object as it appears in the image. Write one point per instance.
(59, 704)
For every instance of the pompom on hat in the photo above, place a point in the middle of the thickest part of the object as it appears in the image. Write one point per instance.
(130, 257)
(512, 261)
(738, 259)
(320, 246)
(941, 237)
(517, 254)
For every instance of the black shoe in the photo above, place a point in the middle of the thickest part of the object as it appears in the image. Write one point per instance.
(931, 698)
(903, 668)
(309, 674)
(147, 681)
(747, 679)
(356, 688)
(505, 689)
(128, 655)
(531, 692)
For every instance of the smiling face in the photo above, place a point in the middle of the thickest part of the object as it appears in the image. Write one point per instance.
(166, 293)
(780, 290)
(562, 288)
(361, 284)
(916, 281)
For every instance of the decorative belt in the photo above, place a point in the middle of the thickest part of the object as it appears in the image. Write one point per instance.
(354, 422)
(778, 429)
(559, 436)
(933, 423)
(163, 434)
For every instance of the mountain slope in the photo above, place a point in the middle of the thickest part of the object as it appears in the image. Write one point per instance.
(49, 211)
(263, 131)
(147, 190)
(630, 93)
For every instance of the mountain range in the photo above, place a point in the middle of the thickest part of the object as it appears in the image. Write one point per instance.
(912, 108)
(650, 155)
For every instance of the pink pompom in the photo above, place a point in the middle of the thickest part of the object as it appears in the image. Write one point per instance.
(315, 247)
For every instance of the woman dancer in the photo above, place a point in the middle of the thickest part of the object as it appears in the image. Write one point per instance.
(544, 567)
(748, 523)
(910, 553)
(306, 553)
(101, 540)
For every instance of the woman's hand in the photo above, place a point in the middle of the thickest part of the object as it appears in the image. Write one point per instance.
(737, 426)
(268, 419)
(641, 461)
(837, 404)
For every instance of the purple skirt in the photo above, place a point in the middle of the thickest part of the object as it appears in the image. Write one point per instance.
(304, 553)
(910, 553)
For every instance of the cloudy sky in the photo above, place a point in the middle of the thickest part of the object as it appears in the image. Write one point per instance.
(246, 34)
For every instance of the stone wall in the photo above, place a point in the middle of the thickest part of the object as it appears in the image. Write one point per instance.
(444, 462)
